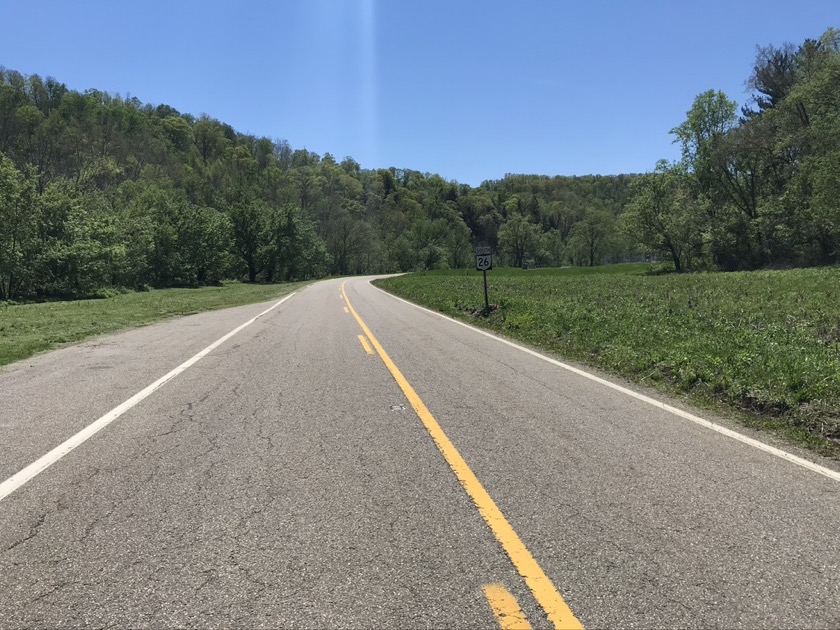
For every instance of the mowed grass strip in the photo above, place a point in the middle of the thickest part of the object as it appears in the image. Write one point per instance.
(26, 329)
(766, 344)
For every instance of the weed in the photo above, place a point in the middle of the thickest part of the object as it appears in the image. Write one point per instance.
(762, 343)
(26, 329)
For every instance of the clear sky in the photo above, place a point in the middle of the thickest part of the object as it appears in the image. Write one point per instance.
(469, 89)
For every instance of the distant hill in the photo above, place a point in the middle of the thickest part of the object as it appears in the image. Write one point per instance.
(101, 191)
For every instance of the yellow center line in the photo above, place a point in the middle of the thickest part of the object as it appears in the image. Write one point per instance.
(506, 608)
(544, 591)
(366, 345)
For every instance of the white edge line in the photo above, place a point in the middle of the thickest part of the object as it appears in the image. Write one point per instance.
(42, 463)
(794, 459)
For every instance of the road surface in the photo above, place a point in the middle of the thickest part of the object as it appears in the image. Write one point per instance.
(349, 460)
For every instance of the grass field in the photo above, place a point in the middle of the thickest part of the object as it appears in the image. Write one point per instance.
(766, 344)
(29, 328)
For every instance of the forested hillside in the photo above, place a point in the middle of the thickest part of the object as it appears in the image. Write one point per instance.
(757, 189)
(101, 192)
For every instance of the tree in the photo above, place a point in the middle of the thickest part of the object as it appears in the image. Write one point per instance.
(345, 239)
(662, 216)
(458, 244)
(295, 252)
(773, 77)
(204, 240)
(518, 237)
(248, 235)
(590, 239)
(711, 116)
(554, 247)
(76, 251)
(816, 193)
(18, 212)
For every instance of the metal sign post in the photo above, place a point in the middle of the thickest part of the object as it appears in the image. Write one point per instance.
(483, 263)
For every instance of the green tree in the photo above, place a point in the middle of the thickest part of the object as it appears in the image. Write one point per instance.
(249, 223)
(76, 251)
(710, 118)
(590, 240)
(295, 250)
(458, 244)
(663, 217)
(346, 238)
(204, 239)
(518, 237)
(18, 214)
(554, 248)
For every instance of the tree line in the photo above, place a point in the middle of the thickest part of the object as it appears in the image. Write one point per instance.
(759, 187)
(100, 193)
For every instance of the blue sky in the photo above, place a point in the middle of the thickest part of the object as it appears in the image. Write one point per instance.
(471, 90)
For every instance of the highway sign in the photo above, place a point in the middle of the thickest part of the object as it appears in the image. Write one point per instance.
(484, 262)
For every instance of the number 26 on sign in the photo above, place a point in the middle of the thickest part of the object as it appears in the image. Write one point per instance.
(483, 259)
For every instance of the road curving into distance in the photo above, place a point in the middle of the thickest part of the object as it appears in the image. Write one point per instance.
(341, 458)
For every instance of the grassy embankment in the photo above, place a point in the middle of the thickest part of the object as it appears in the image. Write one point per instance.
(765, 345)
(26, 329)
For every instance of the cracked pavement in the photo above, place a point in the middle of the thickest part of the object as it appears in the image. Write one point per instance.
(278, 483)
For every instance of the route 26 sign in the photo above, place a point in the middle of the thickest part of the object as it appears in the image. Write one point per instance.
(483, 259)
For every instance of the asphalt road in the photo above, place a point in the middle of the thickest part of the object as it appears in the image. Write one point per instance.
(286, 479)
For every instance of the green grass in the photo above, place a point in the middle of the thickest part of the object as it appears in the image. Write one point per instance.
(765, 345)
(26, 329)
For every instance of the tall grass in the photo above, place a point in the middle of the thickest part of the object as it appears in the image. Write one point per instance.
(26, 329)
(767, 343)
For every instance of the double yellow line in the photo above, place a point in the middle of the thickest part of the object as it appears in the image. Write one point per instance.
(544, 591)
